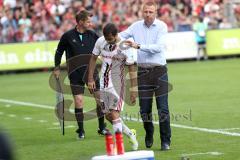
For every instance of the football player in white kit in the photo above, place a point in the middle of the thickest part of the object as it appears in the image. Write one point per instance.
(112, 88)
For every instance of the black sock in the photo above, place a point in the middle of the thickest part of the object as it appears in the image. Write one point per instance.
(101, 123)
(100, 115)
(79, 117)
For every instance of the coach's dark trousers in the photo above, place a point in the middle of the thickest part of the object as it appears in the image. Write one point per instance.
(154, 80)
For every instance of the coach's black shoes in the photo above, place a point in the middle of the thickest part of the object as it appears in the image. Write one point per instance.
(81, 134)
(165, 146)
(148, 140)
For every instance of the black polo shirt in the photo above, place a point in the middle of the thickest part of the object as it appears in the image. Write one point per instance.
(75, 43)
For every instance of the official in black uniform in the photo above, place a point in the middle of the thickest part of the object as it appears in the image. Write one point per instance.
(76, 43)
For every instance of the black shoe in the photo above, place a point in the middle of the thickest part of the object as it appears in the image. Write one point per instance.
(165, 146)
(81, 134)
(103, 131)
(148, 141)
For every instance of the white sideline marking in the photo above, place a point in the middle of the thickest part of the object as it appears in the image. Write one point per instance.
(12, 115)
(132, 119)
(26, 104)
(228, 129)
(206, 130)
(27, 118)
(42, 121)
(7, 105)
(195, 128)
(70, 126)
(210, 153)
(55, 123)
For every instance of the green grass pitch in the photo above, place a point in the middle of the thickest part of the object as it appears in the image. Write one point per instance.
(205, 95)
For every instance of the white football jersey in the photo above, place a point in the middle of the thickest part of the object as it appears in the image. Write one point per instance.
(114, 58)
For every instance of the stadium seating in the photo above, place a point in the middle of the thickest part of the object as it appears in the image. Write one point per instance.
(39, 20)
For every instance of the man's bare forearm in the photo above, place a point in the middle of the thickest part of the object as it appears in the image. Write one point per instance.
(92, 66)
(133, 76)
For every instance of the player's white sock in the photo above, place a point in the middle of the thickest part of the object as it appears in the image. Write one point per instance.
(117, 125)
(125, 129)
(131, 134)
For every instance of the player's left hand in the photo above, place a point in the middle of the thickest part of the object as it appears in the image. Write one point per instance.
(91, 86)
(133, 96)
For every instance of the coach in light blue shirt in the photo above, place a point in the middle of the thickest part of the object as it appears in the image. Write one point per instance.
(149, 38)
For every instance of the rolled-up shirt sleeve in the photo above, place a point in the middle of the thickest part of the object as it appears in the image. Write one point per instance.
(126, 34)
(129, 56)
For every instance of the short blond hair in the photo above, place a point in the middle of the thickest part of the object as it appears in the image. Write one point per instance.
(150, 3)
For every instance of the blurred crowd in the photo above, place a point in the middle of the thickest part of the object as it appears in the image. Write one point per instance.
(39, 20)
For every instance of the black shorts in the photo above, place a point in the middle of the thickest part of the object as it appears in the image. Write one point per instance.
(78, 79)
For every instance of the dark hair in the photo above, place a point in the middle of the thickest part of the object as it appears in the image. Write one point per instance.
(82, 15)
(110, 28)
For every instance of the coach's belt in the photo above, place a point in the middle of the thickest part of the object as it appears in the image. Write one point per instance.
(151, 67)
